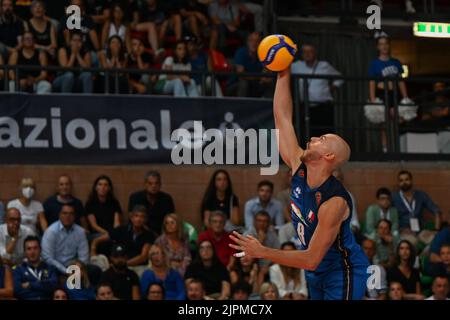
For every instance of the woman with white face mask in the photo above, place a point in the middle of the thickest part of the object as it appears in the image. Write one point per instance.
(32, 211)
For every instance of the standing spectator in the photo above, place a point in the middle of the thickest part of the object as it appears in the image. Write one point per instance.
(410, 204)
(383, 209)
(102, 207)
(12, 237)
(160, 272)
(31, 211)
(291, 282)
(443, 266)
(225, 20)
(208, 269)
(157, 202)
(114, 57)
(139, 59)
(6, 282)
(104, 291)
(396, 291)
(155, 292)
(44, 32)
(134, 237)
(195, 290)
(34, 279)
(440, 239)
(175, 243)
(246, 269)
(378, 293)
(86, 291)
(71, 56)
(65, 241)
(219, 196)
(195, 17)
(220, 238)
(246, 60)
(265, 202)
(386, 243)
(11, 29)
(439, 289)
(404, 272)
(241, 291)
(180, 85)
(117, 26)
(53, 205)
(29, 80)
(124, 282)
(320, 91)
(269, 291)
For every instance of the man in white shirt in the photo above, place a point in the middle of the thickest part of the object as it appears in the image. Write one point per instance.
(12, 236)
(321, 104)
(439, 289)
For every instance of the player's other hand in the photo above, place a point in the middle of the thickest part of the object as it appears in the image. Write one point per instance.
(249, 245)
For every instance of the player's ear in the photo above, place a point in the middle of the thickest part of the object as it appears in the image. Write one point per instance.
(329, 157)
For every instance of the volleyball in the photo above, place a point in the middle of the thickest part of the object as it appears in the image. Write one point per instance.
(276, 52)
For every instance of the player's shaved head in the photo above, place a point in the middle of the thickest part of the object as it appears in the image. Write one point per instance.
(329, 147)
(340, 149)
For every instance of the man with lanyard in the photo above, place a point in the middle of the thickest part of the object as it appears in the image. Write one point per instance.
(34, 279)
(410, 205)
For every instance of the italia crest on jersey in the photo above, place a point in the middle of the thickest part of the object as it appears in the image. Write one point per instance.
(297, 192)
(311, 216)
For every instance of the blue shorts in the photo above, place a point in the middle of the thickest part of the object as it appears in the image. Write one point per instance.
(338, 284)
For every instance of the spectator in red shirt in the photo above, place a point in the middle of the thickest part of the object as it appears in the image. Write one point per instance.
(220, 239)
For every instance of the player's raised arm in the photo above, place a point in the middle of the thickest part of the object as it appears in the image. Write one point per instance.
(331, 214)
(290, 150)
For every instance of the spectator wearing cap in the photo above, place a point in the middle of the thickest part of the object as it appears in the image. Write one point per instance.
(382, 209)
(34, 279)
(64, 241)
(156, 202)
(12, 237)
(440, 289)
(264, 202)
(124, 282)
(134, 237)
(160, 272)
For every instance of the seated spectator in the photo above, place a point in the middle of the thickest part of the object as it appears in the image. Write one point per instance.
(99, 10)
(255, 8)
(138, 58)
(194, 14)
(160, 272)
(60, 294)
(180, 85)
(443, 267)
(175, 243)
(172, 19)
(102, 207)
(86, 291)
(114, 57)
(124, 282)
(6, 282)
(263, 231)
(53, 205)
(134, 237)
(404, 272)
(208, 269)
(157, 202)
(396, 291)
(71, 56)
(116, 26)
(225, 20)
(264, 202)
(291, 282)
(411, 205)
(386, 243)
(440, 239)
(104, 292)
(438, 111)
(12, 237)
(381, 210)
(220, 239)
(31, 211)
(155, 292)
(43, 30)
(34, 279)
(240, 291)
(379, 293)
(219, 196)
(64, 241)
(269, 291)
(439, 288)
(29, 80)
(246, 269)
(11, 30)
(195, 290)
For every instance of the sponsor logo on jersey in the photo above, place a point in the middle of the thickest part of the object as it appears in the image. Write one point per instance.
(297, 192)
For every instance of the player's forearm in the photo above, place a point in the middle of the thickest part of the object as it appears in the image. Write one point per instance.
(282, 106)
(295, 258)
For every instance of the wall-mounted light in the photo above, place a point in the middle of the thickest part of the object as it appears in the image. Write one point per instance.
(431, 29)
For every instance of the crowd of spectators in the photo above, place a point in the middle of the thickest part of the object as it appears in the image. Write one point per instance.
(149, 252)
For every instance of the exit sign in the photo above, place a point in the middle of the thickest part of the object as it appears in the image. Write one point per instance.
(432, 29)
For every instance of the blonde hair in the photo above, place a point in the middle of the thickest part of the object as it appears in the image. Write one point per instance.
(84, 273)
(153, 248)
(266, 286)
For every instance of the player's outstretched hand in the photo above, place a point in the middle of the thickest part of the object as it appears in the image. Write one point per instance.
(246, 245)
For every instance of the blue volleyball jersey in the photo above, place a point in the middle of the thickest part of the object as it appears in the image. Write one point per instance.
(344, 254)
